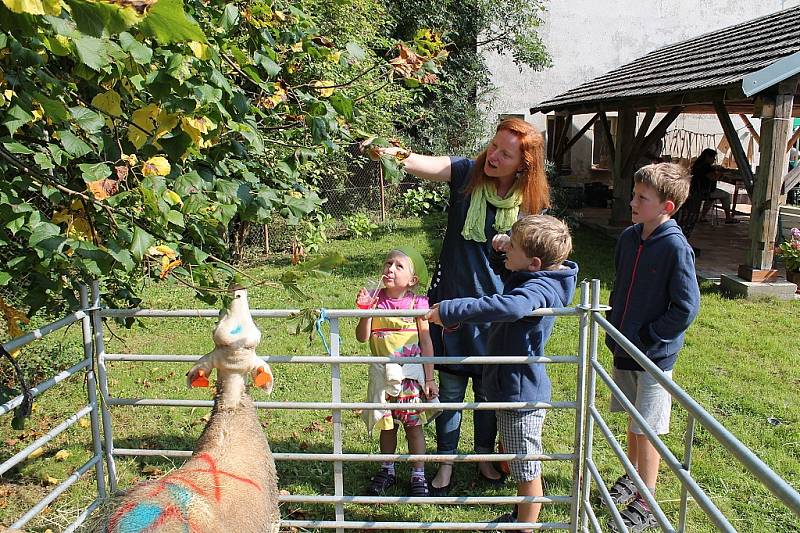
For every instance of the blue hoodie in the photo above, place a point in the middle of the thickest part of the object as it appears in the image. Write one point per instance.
(655, 296)
(512, 333)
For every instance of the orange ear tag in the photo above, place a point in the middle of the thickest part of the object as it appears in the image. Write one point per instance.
(262, 377)
(201, 380)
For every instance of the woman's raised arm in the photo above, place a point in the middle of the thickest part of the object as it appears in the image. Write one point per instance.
(428, 167)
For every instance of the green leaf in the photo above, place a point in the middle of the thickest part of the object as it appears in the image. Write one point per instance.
(230, 18)
(99, 19)
(94, 172)
(93, 52)
(53, 109)
(167, 22)
(42, 231)
(343, 105)
(140, 243)
(176, 217)
(43, 160)
(140, 53)
(4, 278)
(122, 256)
(88, 120)
(19, 117)
(17, 148)
(72, 144)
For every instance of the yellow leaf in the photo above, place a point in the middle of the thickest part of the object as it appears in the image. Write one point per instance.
(156, 166)
(83, 422)
(280, 15)
(108, 102)
(173, 198)
(13, 317)
(195, 127)
(199, 50)
(34, 7)
(145, 119)
(162, 249)
(132, 160)
(50, 480)
(103, 188)
(167, 266)
(164, 124)
(36, 453)
(152, 470)
(62, 455)
(334, 57)
(324, 88)
(296, 47)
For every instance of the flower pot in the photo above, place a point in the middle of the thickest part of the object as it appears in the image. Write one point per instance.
(793, 276)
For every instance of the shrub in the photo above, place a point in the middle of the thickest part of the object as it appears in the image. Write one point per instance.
(422, 200)
(359, 226)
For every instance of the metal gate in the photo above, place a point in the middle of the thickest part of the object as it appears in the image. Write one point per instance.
(585, 473)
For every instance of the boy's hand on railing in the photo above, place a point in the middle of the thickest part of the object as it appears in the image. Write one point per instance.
(500, 242)
(433, 315)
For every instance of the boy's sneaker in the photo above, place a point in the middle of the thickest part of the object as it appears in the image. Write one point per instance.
(636, 517)
(381, 482)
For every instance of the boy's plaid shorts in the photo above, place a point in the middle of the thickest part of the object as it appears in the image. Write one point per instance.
(521, 432)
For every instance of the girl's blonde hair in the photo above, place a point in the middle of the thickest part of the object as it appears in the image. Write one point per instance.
(531, 180)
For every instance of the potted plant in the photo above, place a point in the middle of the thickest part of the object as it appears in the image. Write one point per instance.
(789, 252)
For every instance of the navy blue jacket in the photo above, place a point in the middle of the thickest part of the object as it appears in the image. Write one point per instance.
(512, 333)
(655, 296)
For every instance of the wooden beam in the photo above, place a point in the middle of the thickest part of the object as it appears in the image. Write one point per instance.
(581, 132)
(750, 128)
(637, 146)
(661, 128)
(736, 145)
(775, 119)
(793, 139)
(558, 152)
(609, 137)
(790, 180)
(623, 181)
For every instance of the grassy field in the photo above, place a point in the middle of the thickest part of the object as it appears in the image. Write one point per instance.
(741, 362)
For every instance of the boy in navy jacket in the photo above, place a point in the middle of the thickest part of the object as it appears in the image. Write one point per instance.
(535, 275)
(654, 300)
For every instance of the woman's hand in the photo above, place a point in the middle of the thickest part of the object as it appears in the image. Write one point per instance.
(500, 242)
(375, 152)
(431, 389)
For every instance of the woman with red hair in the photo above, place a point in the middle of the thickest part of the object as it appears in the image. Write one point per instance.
(487, 195)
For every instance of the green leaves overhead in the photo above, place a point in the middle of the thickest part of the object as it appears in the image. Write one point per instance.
(167, 22)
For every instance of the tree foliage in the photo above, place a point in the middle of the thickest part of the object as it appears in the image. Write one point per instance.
(135, 136)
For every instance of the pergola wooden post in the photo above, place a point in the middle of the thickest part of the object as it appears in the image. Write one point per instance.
(623, 174)
(776, 117)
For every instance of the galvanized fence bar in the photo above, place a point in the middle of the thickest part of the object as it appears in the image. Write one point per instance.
(99, 349)
(38, 333)
(416, 526)
(688, 440)
(91, 390)
(336, 396)
(43, 386)
(580, 412)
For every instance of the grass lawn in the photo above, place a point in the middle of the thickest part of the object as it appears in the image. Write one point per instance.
(741, 362)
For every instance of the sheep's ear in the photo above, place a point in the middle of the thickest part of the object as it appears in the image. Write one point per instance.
(263, 379)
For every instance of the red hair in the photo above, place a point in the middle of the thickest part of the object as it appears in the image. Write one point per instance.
(531, 180)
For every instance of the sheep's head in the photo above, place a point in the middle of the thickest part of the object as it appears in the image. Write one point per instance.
(234, 356)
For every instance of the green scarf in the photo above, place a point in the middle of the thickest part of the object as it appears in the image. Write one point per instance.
(507, 211)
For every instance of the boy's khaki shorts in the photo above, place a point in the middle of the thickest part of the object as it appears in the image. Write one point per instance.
(652, 400)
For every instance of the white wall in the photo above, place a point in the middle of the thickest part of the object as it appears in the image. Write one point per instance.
(587, 38)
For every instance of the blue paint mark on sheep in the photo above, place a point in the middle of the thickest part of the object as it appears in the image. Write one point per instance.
(236, 330)
(140, 517)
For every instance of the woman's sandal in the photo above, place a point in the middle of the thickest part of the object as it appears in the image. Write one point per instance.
(636, 517)
(623, 491)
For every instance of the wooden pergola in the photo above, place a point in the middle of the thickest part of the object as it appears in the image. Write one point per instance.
(752, 68)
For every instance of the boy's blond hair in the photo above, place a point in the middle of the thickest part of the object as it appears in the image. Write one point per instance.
(670, 181)
(544, 237)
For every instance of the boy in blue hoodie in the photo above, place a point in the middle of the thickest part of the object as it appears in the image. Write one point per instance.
(535, 275)
(654, 300)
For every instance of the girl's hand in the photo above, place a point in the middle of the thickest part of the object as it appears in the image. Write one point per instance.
(500, 242)
(364, 300)
(431, 389)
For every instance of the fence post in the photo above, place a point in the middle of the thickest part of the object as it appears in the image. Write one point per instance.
(590, 392)
(581, 411)
(383, 193)
(100, 353)
(91, 388)
(688, 439)
(336, 396)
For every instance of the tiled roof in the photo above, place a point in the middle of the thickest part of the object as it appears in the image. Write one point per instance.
(714, 60)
